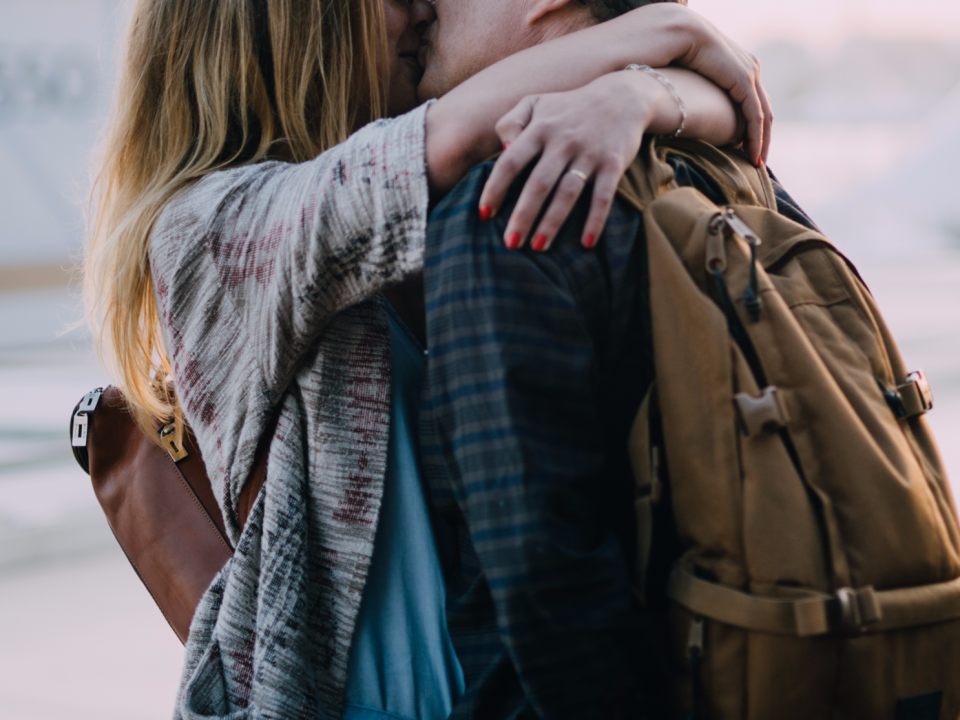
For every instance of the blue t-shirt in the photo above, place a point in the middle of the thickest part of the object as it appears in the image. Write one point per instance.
(402, 662)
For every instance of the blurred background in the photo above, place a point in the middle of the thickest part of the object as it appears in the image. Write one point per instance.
(867, 138)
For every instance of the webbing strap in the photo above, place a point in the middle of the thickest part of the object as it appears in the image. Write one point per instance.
(862, 610)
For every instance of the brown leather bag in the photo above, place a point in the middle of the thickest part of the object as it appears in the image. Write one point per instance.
(158, 502)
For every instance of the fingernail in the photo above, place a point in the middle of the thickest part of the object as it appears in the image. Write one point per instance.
(513, 240)
(539, 242)
(506, 146)
(485, 212)
(589, 241)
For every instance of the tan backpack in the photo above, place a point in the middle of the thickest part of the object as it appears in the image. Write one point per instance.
(820, 573)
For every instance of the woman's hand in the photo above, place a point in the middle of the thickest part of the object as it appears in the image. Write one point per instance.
(716, 57)
(595, 130)
(592, 135)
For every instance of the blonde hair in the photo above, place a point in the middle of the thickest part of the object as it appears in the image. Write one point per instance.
(205, 85)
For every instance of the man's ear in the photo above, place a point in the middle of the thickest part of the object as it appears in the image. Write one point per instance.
(540, 8)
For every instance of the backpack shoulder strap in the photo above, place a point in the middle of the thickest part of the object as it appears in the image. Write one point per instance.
(650, 175)
(741, 181)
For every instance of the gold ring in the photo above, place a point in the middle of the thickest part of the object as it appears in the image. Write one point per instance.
(580, 175)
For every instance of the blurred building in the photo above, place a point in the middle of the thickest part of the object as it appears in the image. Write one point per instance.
(56, 70)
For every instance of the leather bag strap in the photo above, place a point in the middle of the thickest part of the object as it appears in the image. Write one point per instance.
(848, 610)
(251, 490)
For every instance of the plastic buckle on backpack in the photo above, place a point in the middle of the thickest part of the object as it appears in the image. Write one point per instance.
(916, 395)
(766, 412)
(855, 609)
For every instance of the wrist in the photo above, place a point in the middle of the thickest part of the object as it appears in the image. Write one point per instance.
(667, 113)
(647, 99)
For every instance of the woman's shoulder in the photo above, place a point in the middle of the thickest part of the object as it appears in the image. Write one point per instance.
(376, 175)
(215, 206)
(198, 204)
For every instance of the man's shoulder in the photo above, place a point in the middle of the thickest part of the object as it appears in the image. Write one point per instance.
(465, 195)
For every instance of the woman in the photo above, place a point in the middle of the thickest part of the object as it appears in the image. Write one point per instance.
(242, 237)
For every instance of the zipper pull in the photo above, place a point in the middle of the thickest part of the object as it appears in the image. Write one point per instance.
(751, 296)
(740, 228)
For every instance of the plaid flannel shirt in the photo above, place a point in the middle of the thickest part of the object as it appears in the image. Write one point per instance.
(537, 365)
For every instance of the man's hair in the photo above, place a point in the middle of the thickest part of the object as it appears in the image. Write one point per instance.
(603, 10)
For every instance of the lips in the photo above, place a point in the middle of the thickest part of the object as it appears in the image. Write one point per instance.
(411, 62)
(408, 51)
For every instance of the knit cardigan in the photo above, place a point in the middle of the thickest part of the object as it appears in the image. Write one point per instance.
(266, 278)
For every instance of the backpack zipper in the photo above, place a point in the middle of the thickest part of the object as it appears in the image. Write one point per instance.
(727, 218)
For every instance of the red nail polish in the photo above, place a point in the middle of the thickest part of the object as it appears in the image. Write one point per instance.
(485, 212)
(589, 241)
(513, 240)
(506, 146)
(539, 242)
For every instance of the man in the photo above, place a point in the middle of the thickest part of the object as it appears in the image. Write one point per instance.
(537, 365)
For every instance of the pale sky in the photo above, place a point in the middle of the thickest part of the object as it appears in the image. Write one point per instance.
(824, 23)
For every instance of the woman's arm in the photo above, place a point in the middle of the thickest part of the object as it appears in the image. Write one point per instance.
(459, 125)
(251, 264)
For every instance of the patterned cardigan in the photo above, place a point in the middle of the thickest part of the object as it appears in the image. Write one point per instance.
(266, 277)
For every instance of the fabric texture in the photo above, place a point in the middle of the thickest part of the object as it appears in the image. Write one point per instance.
(266, 278)
(524, 430)
(402, 661)
(537, 365)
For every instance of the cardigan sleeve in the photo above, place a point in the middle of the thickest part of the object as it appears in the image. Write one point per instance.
(281, 248)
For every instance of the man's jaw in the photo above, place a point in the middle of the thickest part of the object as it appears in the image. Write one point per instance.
(422, 55)
(429, 88)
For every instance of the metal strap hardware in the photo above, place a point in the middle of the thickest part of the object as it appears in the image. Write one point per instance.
(90, 401)
(916, 394)
(847, 611)
(81, 421)
(169, 439)
(80, 425)
(766, 412)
